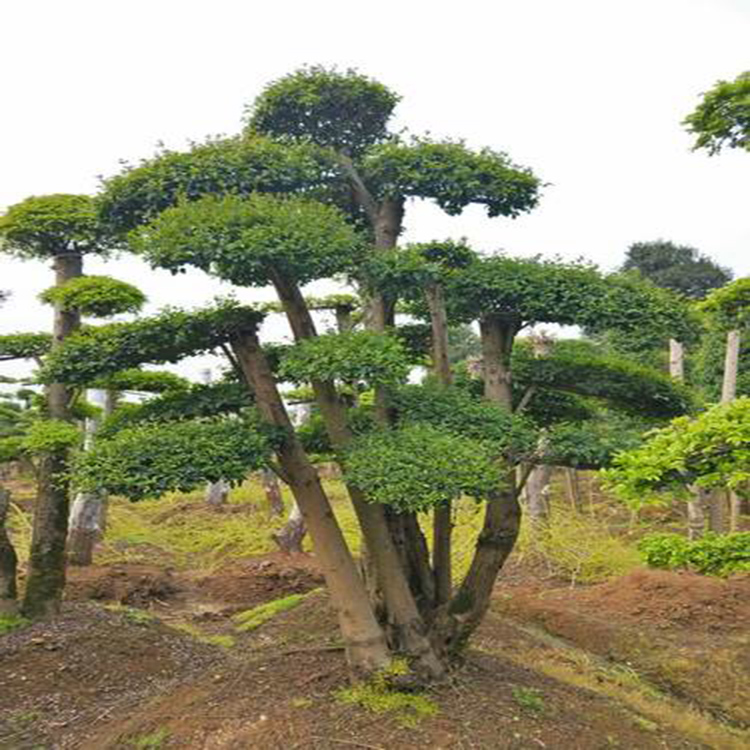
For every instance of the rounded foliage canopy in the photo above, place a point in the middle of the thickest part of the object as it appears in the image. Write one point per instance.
(151, 459)
(48, 225)
(452, 175)
(419, 466)
(97, 296)
(730, 304)
(344, 110)
(97, 351)
(24, 345)
(250, 240)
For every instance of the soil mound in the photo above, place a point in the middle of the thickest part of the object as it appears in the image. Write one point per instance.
(671, 600)
(261, 580)
(128, 584)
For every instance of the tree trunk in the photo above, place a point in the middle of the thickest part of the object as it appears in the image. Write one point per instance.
(363, 638)
(406, 629)
(731, 504)
(216, 493)
(273, 492)
(573, 487)
(502, 519)
(537, 493)
(695, 513)
(46, 568)
(676, 360)
(442, 524)
(87, 514)
(8, 562)
(291, 536)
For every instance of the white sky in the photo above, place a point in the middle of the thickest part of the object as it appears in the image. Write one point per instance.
(589, 93)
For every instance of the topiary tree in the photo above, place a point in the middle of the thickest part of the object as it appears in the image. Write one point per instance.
(60, 228)
(722, 119)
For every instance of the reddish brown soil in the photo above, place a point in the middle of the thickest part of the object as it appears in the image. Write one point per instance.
(686, 633)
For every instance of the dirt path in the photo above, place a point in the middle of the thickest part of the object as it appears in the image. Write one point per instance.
(144, 657)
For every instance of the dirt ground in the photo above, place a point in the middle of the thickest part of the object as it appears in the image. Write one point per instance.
(118, 670)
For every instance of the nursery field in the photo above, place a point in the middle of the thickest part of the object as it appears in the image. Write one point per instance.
(190, 630)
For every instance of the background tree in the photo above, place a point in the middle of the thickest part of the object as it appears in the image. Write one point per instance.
(62, 229)
(722, 119)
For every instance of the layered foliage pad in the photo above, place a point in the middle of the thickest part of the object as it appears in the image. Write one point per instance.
(722, 119)
(239, 166)
(142, 381)
(97, 296)
(24, 345)
(528, 291)
(419, 466)
(151, 459)
(46, 436)
(249, 240)
(195, 401)
(346, 111)
(99, 351)
(49, 225)
(353, 357)
(577, 368)
(680, 268)
(711, 450)
(452, 175)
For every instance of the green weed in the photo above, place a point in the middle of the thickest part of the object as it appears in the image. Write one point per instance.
(153, 741)
(225, 641)
(12, 622)
(253, 618)
(529, 699)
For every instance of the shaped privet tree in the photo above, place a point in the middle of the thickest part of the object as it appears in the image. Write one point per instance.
(62, 229)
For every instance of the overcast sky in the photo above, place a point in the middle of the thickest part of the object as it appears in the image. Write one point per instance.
(588, 93)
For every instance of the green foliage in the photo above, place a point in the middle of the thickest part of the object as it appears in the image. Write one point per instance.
(405, 271)
(250, 240)
(452, 175)
(707, 364)
(151, 459)
(529, 699)
(380, 696)
(730, 304)
(680, 268)
(356, 356)
(420, 466)
(11, 448)
(196, 401)
(346, 302)
(625, 385)
(712, 554)
(24, 345)
(97, 296)
(250, 619)
(722, 119)
(93, 352)
(9, 623)
(591, 444)
(457, 411)
(51, 436)
(346, 111)
(153, 741)
(711, 450)
(48, 225)
(143, 381)
(239, 166)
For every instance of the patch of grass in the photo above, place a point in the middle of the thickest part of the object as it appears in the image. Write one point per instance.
(225, 641)
(132, 615)
(24, 718)
(253, 618)
(9, 623)
(153, 741)
(529, 699)
(379, 696)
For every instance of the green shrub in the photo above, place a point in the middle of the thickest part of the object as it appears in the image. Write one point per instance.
(713, 554)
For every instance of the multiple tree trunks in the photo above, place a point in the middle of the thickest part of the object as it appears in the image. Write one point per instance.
(8, 561)
(364, 639)
(46, 569)
(88, 512)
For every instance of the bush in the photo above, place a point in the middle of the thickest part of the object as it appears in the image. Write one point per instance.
(713, 554)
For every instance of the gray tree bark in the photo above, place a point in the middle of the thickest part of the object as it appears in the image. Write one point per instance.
(8, 562)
